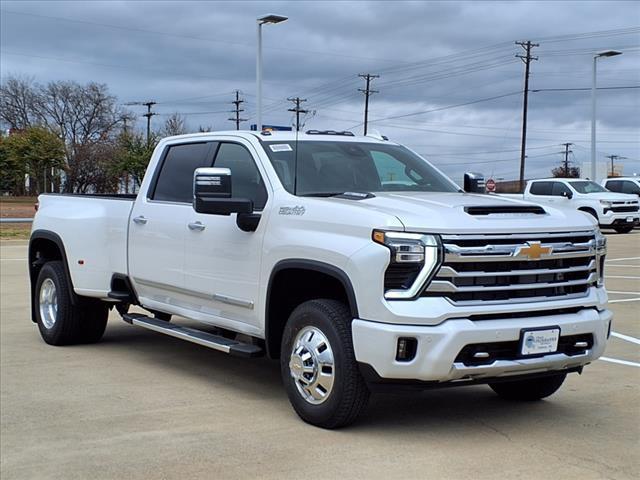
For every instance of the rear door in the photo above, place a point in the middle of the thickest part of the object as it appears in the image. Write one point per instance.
(542, 192)
(222, 265)
(159, 223)
(631, 187)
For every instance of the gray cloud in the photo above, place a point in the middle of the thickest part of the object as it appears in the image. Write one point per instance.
(168, 51)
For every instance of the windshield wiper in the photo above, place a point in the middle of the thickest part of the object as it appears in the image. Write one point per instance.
(322, 194)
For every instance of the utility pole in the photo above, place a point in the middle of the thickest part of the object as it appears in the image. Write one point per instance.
(367, 92)
(612, 158)
(237, 102)
(566, 158)
(297, 101)
(148, 115)
(527, 58)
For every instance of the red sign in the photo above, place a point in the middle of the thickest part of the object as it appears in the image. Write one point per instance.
(491, 185)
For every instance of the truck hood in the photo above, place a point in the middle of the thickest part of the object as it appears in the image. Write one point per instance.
(447, 213)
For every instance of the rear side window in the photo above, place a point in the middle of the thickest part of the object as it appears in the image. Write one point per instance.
(630, 187)
(541, 188)
(246, 181)
(175, 181)
(559, 188)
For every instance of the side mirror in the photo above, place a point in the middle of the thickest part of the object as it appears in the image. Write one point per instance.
(474, 183)
(567, 195)
(212, 193)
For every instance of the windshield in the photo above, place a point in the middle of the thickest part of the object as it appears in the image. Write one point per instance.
(587, 187)
(330, 168)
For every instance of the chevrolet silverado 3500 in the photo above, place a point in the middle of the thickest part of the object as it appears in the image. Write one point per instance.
(350, 259)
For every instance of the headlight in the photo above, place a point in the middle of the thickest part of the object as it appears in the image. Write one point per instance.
(601, 252)
(606, 203)
(414, 259)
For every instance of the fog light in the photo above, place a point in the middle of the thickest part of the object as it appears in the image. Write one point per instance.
(406, 350)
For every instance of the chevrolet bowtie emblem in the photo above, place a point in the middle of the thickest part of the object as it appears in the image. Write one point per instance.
(533, 251)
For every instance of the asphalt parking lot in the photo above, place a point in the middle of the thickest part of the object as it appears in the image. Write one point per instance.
(143, 405)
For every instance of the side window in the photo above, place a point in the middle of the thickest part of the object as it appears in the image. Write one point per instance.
(614, 185)
(630, 187)
(540, 188)
(246, 181)
(559, 189)
(175, 181)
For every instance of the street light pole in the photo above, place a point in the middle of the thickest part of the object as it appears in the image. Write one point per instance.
(608, 53)
(273, 19)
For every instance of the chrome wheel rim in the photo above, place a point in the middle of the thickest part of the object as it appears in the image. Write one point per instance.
(48, 303)
(312, 365)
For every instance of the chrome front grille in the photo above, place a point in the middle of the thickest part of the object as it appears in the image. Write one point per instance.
(481, 269)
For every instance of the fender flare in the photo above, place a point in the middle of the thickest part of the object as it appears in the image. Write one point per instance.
(55, 238)
(316, 266)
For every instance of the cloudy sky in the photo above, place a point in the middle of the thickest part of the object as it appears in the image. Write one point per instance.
(449, 87)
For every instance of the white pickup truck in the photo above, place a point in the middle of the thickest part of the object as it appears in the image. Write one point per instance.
(350, 259)
(614, 210)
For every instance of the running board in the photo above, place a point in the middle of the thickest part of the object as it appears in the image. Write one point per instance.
(226, 345)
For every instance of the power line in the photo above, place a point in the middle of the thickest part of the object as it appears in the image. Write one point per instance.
(191, 37)
(367, 93)
(622, 87)
(472, 102)
(527, 59)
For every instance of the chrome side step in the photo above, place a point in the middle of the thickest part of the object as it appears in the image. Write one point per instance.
(226, 345)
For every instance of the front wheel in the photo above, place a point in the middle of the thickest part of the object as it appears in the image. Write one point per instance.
(318, 365)
(528, 390)
(623, 228)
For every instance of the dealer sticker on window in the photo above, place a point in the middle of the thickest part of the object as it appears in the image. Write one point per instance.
(536, 342)
(281, 147)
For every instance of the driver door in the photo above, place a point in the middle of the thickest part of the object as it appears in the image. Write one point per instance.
(222, 262)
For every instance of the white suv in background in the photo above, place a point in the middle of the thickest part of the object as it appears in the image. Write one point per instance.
(611, 209)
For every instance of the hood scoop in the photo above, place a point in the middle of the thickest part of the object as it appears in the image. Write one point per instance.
(505, 210)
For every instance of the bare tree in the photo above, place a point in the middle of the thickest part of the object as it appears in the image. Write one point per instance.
(174, 125)
(18, 102)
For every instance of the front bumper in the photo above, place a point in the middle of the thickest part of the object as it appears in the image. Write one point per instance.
(438, 346)
(609, 218)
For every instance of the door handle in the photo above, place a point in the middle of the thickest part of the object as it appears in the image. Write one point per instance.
(198, 226)
(140, 220)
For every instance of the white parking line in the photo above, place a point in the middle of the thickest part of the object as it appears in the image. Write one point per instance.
(621, 362)
(626, 337)
(622, 276)
(13, 259)
(621, 259)
(625, 300)
(623, 293)
(617, 265)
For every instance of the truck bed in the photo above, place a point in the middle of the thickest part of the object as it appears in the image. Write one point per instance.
(93, 229)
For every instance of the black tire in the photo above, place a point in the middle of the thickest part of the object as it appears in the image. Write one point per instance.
(529, 390)
(73, 323)
(349, 394)
(623, 228)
